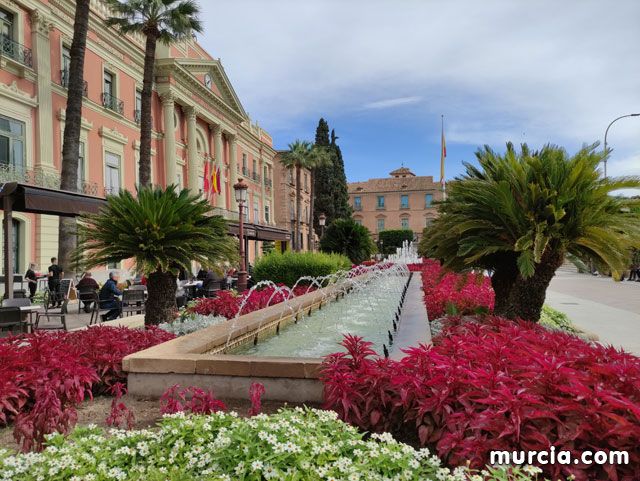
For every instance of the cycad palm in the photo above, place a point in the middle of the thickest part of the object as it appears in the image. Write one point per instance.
(301, 155)
(162, 231)
(165, 21)
(518, 214)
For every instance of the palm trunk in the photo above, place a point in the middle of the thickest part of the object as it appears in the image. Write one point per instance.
(502, 281)
(298, 208)
(71, 140)
(161, 303)
(312, 200)
(527, 295)
(144, 173)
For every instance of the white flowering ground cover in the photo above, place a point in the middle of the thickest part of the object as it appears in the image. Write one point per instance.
(190, 323)
(294, 444)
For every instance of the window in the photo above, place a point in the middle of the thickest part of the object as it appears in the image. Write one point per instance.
(66, 65)
(358, 221)
(12, 142)
(112, 173)
(108, 84)
(291, 176)
(404, 223)
(255, 169)
(404, 201)
(306, 182)
(256, 212)
(357, 203)
(428, 200)
(137, 113)
(380, 224)
(267, 214)
(381, 202)
(81, 174)
(179, 177)
(428, 221)
(245, 169)
(6, 24)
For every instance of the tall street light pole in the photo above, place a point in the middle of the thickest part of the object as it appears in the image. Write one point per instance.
(240, 189)
(606, 132)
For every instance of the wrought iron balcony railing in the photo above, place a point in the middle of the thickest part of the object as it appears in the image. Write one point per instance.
(64, 82)
(357, 207)
(112, 103)
(268, 182)
(226, 214)
(245, 172)
(51, 180)
(256, 177)
(16, 51)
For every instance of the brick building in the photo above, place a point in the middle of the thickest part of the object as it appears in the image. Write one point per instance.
(401, 201)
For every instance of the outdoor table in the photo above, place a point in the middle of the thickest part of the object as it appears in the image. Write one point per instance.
(29, 310)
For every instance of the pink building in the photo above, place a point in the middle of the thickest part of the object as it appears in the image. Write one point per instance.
(197, 118)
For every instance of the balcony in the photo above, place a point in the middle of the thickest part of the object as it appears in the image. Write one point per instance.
(16, 51)
(226, 214)
(50, 180)
(357, 207)
(255, 177)
(268, 183)
(64, 82)
(245, 172)
(112, 103)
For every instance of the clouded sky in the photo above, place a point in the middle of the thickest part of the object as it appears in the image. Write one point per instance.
(382, 72)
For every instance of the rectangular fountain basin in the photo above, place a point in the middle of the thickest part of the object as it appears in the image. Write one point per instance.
(201, 358)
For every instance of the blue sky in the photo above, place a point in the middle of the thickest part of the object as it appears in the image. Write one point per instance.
(383, 71)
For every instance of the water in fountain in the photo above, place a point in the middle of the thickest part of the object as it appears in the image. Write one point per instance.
(368, 310)
(407, 254)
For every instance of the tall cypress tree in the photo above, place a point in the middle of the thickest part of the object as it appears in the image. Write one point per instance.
(342, 209)
(323, 178)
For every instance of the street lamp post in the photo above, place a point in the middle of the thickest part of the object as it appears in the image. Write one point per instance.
(606, 132)
(240, 189)
(322, 220)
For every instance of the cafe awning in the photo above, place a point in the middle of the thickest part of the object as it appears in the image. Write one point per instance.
(260, 232)
(17, 197)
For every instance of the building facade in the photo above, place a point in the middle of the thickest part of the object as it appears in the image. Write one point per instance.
(401, 201)
(196, 115)
(285, 202)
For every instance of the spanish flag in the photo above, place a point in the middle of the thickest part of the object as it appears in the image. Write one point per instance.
(214, 180)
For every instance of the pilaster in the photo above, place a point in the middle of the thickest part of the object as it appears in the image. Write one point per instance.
(233, 166)
(168, 107)
(192, 150)
(40, 28)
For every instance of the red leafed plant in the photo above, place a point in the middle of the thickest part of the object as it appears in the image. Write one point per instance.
(120, 414)
(191, 399)
(44, 376)
(496, 385)
(256, 391)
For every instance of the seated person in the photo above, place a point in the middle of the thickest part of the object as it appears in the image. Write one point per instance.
(209, 281)
(108, 298)
(87, 284)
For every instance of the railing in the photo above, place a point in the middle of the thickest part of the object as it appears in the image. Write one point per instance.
(404, 206)
(226, 214)
(357, 207)
(245, 172)
(112, 103)
(256, 177)
(16, 51)
(51, 180)
(268, 182)
(64, 82)
(137, 116)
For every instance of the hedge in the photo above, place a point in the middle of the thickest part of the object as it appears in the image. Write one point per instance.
(288, 267)
(393, 238)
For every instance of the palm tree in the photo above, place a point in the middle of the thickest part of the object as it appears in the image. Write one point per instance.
(72, 125)
(345, 236)
(519, 214)
(301, 155)
(162, 230)
(320, 157)
(165, 21)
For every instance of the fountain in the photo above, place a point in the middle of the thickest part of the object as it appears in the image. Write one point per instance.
(407, 254)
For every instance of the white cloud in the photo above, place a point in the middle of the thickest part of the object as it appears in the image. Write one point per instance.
(540, 71)
(390, 103)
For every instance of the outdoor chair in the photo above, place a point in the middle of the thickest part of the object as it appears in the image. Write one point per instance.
(49, 314)
(212, 289)
(11, 321)
(132, 301)
(97, 310)
(85, 296)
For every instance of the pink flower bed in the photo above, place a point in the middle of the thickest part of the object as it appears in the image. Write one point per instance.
(227, 303)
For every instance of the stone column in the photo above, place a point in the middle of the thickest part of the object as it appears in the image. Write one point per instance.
(40, 28)
(262, 188)
(168, 107)
(219, 161)
(192, 150)
(233, 167)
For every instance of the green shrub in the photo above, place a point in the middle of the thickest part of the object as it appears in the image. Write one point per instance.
(393, 238)
(345, 236)
(294, 444)
(555, 319)
(288, 267)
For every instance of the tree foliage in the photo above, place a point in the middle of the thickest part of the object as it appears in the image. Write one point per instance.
(345, 236)
(393, 238)
(519, 213)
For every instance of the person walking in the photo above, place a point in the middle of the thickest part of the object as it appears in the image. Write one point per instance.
(109, 298)
(32, 280)
(54, 274)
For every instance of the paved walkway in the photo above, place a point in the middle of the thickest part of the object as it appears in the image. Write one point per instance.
(598, 304)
